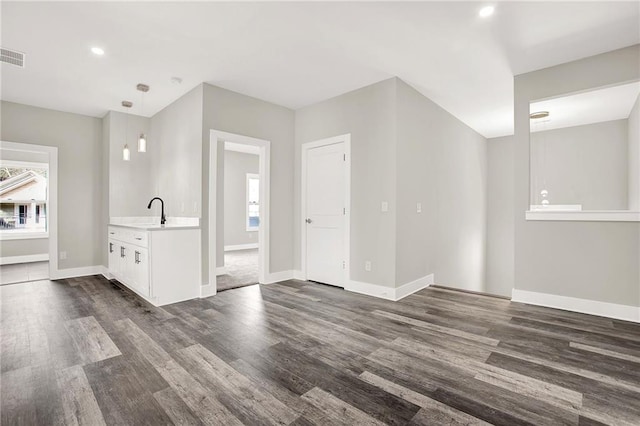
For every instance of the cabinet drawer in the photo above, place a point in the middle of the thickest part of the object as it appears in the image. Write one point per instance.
(131, 236)
(139, 238)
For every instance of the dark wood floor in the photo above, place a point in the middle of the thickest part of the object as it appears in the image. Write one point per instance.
(84, 351)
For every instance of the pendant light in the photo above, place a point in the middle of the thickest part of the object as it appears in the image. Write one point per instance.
(541, 118)
(126, 153)
(142, 139)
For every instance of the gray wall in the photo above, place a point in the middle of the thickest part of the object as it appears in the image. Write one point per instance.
(131, 183)
(175, 145)
(32, 246)
(369, 115)
(236, 167)
(453, 191)
(499, 273)
(584, 165)
(81, 223)
(634, 157)
(233, 112)
(590, 260)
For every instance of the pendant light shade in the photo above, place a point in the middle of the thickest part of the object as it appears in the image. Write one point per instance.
(126, 153)
(142, 139)
(142, 143)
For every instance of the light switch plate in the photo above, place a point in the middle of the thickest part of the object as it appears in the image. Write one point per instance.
(384, 207)
(419, 207)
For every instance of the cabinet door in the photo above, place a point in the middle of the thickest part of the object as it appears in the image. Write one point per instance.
(126, 263)
(141, 271)
(114, 257)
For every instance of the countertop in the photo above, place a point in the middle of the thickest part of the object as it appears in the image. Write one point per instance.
(155, 226)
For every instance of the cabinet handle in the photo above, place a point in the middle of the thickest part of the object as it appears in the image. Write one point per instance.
(110, 247)
(121, 251)
(112, 233)
(138, 238)
(137, 257)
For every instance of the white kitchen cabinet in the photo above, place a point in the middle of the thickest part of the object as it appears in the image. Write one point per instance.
(160, 264)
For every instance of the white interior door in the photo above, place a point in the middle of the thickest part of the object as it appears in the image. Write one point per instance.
(325, 213)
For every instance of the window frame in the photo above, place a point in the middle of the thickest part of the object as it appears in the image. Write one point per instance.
(21, 235)
(249, 177)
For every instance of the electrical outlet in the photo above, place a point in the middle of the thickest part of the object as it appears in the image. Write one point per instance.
(63, 255)
(419, 207)
(367, 265)
(384, 207)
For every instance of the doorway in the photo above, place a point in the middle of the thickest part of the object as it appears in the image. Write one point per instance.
(28, 212)
(241, 187)
(326, 210)
(229, 256)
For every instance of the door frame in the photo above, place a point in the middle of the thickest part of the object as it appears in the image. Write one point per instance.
(305, 147)
(52, 197)
(217, 137)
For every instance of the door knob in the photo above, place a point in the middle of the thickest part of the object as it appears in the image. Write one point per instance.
(308, 220)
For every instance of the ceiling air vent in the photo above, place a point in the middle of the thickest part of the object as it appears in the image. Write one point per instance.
(12, 57)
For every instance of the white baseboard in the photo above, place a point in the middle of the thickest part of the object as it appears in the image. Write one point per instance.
(298, 275)
(585, 306)
(279, 276)
(207, 290)
(390, 293)
(374, 290)
(10, 260)
(221, 270)
(413, 286)
(61, 274)
(241, 247)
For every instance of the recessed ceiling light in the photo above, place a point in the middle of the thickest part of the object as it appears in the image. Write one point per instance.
(486, 11)
(97, 51)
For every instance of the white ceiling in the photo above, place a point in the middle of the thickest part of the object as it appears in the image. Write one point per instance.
(297, 54)
(594, 106)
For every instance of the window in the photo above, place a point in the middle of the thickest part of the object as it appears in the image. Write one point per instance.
(253, 202)
(23, 199)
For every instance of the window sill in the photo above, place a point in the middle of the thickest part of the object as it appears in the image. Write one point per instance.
(23, 236)
(584, 216)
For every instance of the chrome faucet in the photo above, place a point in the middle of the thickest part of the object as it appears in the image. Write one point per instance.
(162, 218)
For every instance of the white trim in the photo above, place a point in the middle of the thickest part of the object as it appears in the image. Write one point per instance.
(585, 306)
(9, 236)
(216, 137)
(243, 148)
(221, 270)
(249, 177)
(346, 140)
(24, 164)
(585, 215)
(52, 196)
(390, 293)
(241, 247)
(298, 275)
(79, 272)
(10, 260)
(207, 290)
(375, 290)
(279, 276)
(414, 286)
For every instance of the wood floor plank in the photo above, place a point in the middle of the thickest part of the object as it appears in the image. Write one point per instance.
(175, 408)
(246, 401)
(78, 401)
(18, 403)
(432, 412)
(91, 340)
(335, 411)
